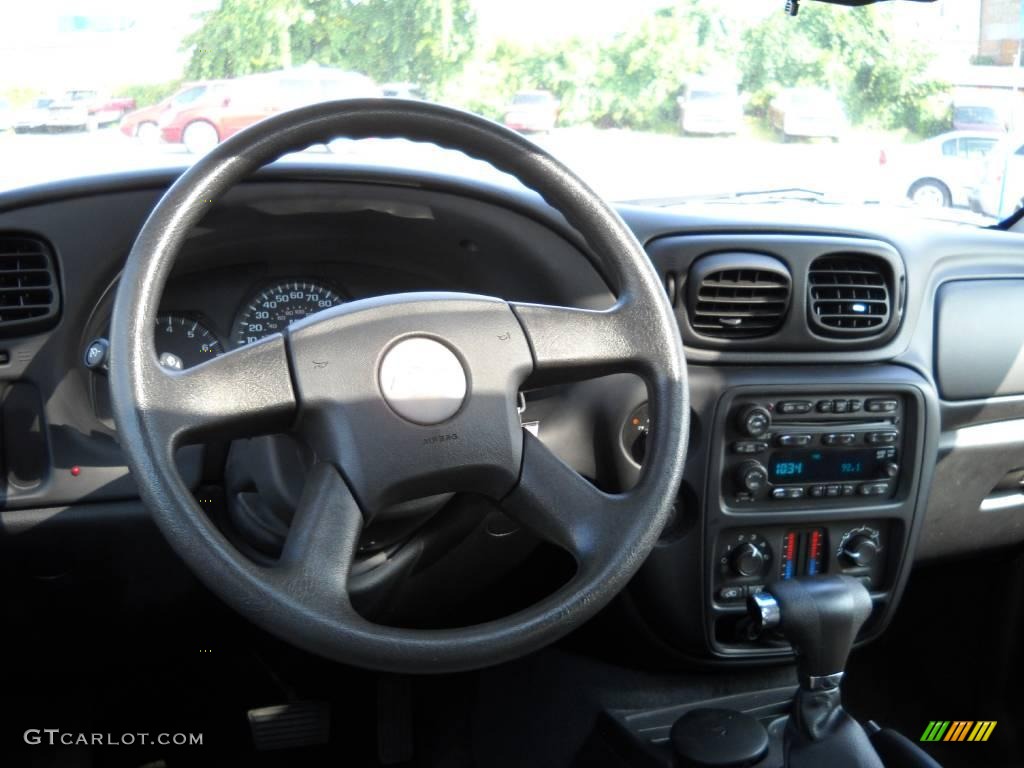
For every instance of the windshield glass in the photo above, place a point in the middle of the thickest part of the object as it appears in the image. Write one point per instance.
(663, 101)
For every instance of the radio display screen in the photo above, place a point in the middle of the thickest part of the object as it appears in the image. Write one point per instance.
(813, 466)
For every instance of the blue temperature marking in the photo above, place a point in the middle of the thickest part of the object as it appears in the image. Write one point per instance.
(812, 567)
(789, 570)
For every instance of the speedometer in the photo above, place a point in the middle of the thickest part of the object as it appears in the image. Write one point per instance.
(276, 307)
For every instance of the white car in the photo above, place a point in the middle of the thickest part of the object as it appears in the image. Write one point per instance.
(940, 172)
(1000, 190)
(33, 117)
(710, 107)
(808, 113)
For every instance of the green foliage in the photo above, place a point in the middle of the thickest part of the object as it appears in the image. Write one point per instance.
(630, 82)
(850, 51)
(147, 94)
(421, 41)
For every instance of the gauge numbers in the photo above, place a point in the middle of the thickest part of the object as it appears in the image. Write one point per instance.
(182, 342)
(276, 307)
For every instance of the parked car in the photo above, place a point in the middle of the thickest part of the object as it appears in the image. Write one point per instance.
(247, 100)
(708, 106)
(978, 117)
(144, 123)
(1000, 190)
(402, 91)
(86, 109)
(807, 113)
(940, 172)
(532, 112)
(33, 117)
(6, 115)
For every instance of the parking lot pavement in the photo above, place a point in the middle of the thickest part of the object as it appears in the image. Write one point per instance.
(621, 165)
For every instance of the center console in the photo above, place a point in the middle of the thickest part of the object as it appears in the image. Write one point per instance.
(803, 481)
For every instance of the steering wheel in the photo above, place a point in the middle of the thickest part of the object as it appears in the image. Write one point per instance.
(400, 397)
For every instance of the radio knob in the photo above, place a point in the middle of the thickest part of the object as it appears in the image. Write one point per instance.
(755, 420)
(752, 477)
(890, 469)
(860, 550)
(748, 560)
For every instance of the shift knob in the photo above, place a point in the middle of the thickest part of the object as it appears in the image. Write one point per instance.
(820, 616)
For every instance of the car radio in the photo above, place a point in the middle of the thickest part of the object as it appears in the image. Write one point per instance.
(842, 447)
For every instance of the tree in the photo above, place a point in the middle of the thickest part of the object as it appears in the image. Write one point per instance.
(241, 37)
(850, 51)
(421, 41)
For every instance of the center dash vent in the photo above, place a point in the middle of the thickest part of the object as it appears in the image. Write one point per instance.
(29, 297)
(738, 295)
(848, 295)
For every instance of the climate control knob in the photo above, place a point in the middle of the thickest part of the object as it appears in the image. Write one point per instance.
(752, 477)
(748, 560)
(860, 547)
(754, 420)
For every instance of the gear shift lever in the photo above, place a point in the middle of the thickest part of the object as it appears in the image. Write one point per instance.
(820, 617)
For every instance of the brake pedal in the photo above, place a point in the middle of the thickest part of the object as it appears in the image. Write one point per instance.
(287, 726)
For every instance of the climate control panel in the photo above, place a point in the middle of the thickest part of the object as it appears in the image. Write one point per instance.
(746, 559)
(845, 448)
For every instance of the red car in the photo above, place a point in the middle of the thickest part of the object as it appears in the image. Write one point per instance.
(242, 102)
(144, 123)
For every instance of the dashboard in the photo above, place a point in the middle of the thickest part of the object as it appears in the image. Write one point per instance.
(857, 396)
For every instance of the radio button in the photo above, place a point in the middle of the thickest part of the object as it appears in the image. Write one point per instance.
(791, 440)
(881, 406)
(849, 489)
(793, 406)
(882, 438)
(840, 406)
(778, 493)
(749, 446)
(855, 406)
(833, 491)
(794, 493)
(840, 438)
(824, 406)
(817, 491)
(874, 489)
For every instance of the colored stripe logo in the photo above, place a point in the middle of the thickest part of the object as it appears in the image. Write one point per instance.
(958, 730)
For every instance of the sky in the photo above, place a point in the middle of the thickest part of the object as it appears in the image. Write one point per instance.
(57, 44)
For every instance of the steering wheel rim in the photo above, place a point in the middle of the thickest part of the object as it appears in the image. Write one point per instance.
(278, 384)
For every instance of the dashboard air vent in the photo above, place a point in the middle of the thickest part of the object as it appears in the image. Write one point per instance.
(29, 297)
(848, 295)
(738, 295)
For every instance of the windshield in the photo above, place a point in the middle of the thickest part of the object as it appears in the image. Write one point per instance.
(662, 101)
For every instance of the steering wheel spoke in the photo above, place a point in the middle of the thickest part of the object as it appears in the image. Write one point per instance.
(323, 537)
(562, 507)
(574, 344)
(244, 392)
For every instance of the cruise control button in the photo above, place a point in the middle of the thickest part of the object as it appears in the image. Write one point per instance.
(794, 440)
(881, 406)
(793, 406)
